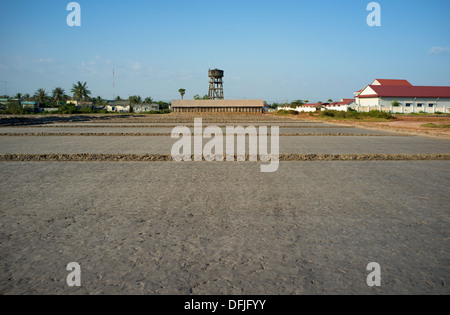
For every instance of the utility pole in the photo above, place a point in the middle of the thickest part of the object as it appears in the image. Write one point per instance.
(114, 85)
(6, 90)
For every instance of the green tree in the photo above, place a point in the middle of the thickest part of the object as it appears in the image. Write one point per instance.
(395, 103)
(59, 96)
(274, 105)
(163, 105)
(197, 97)
(297, 103)
(135, 99)
(41, 96)
(182, 92)
(19, 98)
(148, 100)
(67, 109)
(99, 101)
(15, 108)
(80, 91)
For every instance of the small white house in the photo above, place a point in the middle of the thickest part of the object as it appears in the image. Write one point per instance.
(118, 107)
(308, 108)
(343, 105)
(145, 108)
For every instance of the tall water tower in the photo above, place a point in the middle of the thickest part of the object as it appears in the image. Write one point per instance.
(215, 84)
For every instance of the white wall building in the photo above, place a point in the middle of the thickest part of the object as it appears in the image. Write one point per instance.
(118, 108)
(342, 105)
(384, 94)
(144, 108)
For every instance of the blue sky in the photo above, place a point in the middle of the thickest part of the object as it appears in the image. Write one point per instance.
(272, 50)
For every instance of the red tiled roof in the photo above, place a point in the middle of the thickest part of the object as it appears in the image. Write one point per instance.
(394, 82)
(385, 82)
(347, 101)
(409, 91)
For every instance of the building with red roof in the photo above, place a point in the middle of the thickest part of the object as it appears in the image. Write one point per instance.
(405, 97)
(386, 82)
(342, 102)
(391, 82)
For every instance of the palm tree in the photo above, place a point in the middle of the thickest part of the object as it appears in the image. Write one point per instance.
(59, 95)
(80, 91)
(99, 101)
(135, 99)
(41, 96)
(148, 100)
(27, 97)
(19, 98)
(182, 92)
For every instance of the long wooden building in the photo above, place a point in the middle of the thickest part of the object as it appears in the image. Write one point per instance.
(218, 106)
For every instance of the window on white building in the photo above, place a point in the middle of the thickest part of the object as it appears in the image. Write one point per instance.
(431, 105)
(419, 105)
(408, 104)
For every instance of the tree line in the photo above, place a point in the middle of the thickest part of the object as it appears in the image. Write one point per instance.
(79, 92)
(293, 104)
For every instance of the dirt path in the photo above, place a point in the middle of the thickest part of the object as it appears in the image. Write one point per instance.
(410, 125)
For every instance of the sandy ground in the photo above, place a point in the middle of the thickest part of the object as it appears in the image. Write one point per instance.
(191, 228)
(127, 130)
(407, 125)
(344, 139)
(224, 228)
(163, 145)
